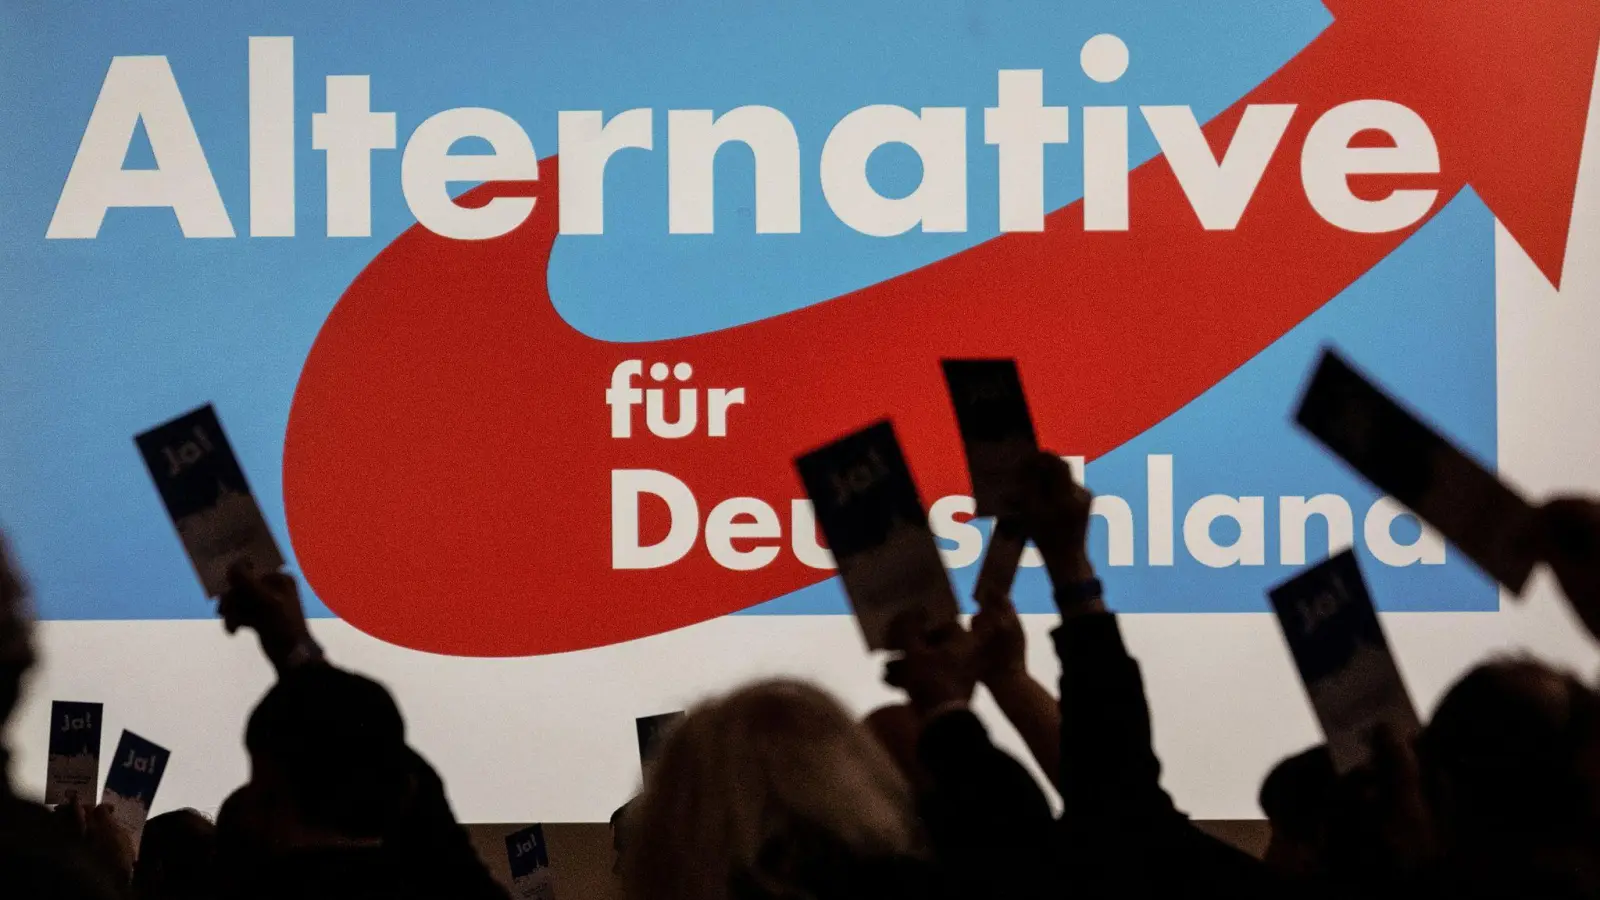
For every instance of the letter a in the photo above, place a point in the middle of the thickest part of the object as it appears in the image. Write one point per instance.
(140, 87)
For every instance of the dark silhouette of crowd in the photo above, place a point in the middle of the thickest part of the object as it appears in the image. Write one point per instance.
(776, 792)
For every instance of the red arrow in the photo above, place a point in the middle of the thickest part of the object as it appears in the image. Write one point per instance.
(448, 458)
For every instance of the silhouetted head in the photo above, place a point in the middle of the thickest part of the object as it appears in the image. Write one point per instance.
(328, 747)
(16, 634)
(1511, 765)
(1297, 797)
(767, 789)
(177, 858)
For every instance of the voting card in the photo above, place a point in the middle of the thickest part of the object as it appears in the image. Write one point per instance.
(529, 857)
(1408, 460)
(1349, 674)
(652, 731)
(996, 430)
(206, 495)
(74, 767)
(136, 770)
(870, 512)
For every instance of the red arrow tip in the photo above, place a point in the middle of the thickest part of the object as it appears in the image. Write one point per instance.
(1506, 88)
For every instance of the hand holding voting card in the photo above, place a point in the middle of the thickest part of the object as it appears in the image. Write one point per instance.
(74, 767)
(206, 495)
(1333, 631)
(652, 731)
(1408, 460)
(875, 523)
(529, 857)
(136, 772)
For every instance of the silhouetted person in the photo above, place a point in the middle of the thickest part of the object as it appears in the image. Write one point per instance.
(1297, 797)
(1511, 766)
(327, 777)
(177, 858)
(338, 805)
(770, 792)
(40, 857)
(1122, 836)
(776, 792)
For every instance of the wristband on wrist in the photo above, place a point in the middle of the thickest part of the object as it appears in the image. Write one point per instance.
(1077, 593)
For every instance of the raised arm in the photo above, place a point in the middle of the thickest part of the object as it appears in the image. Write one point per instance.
(1123, 837)
(988, 820)
(999, 655)
(1109, 771)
